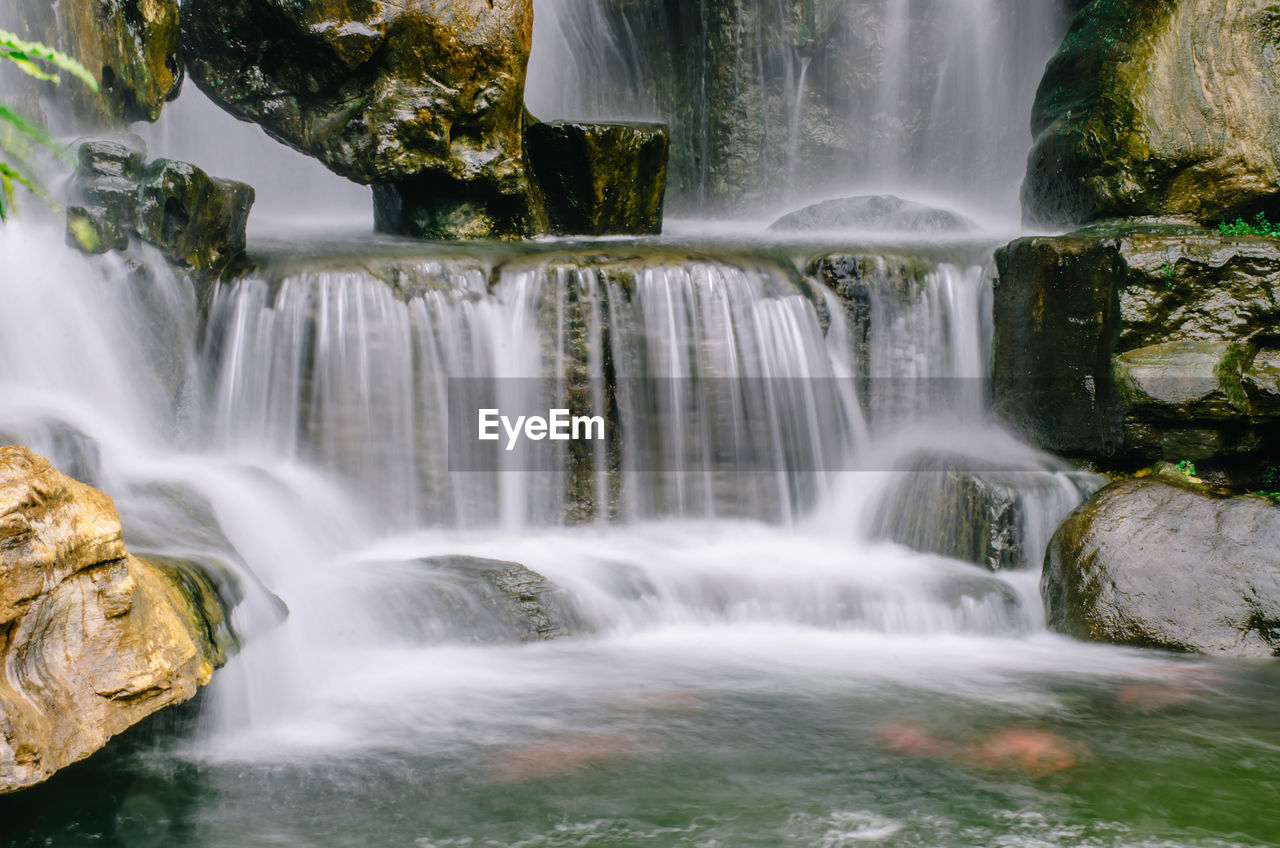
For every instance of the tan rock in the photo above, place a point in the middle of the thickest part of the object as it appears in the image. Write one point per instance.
(92, 639)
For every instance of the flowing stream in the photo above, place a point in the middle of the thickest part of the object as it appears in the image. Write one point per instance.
(750, 657)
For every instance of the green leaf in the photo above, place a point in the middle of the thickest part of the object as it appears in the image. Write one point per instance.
(29, 67)
(30, 51)
(33, 132)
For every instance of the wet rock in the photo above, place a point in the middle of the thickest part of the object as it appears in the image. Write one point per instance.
(1132, 344)
(1156, 564)
(460, 598)
(424, 100)
(874, 213)
(132, 47)
(1159, 108)
(93, 638)
(987, 516)
(197, 220)
(601, 179)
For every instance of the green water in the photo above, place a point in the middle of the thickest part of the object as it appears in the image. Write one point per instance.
(661, 742)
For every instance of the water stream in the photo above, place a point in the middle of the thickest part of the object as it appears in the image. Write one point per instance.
(752, 662)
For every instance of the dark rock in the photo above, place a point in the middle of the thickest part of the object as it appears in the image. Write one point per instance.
(876, 213)
(443, 208)
(601, 179)
(1159, 108)
(197, 220)
(425, 94)
(1133, 344)
(107, 176)
(1156, 564)
(132, 47)
(95, 229)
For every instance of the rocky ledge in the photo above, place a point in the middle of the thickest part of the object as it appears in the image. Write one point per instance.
(92, 639)
(1130, 344)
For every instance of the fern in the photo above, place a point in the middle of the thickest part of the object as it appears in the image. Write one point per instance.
(19, 137)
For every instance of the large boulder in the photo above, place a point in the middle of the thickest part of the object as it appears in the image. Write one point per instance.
(422, 99)
(1159, 107)
(133, 48)
(197, 221)
(600, 179)
(1130, 345)
(93, 639)
(1158, 564)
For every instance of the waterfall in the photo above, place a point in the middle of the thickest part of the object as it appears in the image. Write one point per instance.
(921, 98)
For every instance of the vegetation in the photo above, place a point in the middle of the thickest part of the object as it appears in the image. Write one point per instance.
(1186, 468)
(20, 139)
(1260, 227)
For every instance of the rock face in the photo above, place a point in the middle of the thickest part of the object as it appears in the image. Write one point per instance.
(133, 48)
(198, 221)
(877, 213)
(1155, 564)
(93, 639)
(1159, 108)
(601, 179)
(422, 99)
(1136, 344)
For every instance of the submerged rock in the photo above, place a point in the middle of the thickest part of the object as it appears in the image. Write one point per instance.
(1156, 564)
(1159, 108)
(198, 221)
(132, 47)
(1134, 344)
(93, 638)
(874, 213)
(989, 516)
(601, 179)
(423, 100)
(468, 599)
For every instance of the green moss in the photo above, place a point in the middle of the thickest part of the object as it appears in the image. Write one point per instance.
(1260, 227)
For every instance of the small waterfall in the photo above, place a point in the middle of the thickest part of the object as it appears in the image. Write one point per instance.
(922, 98)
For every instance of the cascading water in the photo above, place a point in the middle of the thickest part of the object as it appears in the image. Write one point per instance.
(777, 103)
(751, 659)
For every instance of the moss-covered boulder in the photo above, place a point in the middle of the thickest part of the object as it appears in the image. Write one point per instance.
(1159, 564)
(601, 179)
(1159, 107)
(1128, 345)
(198, 221)
(93, 639)
(133, 47)
(424, 100)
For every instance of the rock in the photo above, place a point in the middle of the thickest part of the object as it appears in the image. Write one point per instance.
(132, 47)
(424, 100)
(874, 213)
(989, 516)
(197, 220)
(1132, 344)
(601, 179)
(451, 598)
(1159, 108)
(1156, 564)
(93, 639)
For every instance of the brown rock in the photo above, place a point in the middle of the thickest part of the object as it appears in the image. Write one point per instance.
(93, 640)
